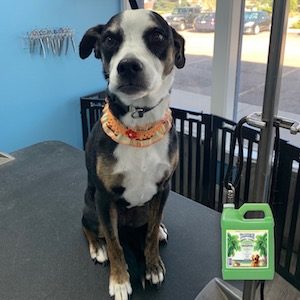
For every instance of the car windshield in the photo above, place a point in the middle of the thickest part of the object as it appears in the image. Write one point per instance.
(180, 11)
(250, 16)
(207, 16)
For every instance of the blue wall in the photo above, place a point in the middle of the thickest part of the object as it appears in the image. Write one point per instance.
(39, 98)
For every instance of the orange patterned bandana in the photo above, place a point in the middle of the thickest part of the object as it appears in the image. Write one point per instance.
(142, 137)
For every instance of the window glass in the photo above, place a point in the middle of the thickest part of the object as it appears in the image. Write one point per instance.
(254, 56)
(289, 101)
(192, 85)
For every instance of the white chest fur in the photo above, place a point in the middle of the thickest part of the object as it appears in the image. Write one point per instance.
(142, 168)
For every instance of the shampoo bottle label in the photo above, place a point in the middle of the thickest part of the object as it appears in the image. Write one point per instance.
(247, 249)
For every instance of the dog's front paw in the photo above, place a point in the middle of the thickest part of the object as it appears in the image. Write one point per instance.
(155, 272)
(121, 291)
(98, 252)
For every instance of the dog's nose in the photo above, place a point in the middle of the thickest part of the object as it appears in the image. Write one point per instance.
(129, 67)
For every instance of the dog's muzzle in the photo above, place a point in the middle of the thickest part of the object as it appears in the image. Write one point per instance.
(131, 76)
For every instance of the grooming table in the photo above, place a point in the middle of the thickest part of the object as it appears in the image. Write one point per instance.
(44, 255)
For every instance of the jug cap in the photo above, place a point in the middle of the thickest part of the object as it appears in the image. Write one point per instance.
(228, 205)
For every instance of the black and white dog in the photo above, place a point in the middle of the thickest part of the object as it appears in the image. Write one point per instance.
(132, 153)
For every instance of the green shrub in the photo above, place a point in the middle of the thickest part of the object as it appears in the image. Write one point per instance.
(163, 6)
(296, 25)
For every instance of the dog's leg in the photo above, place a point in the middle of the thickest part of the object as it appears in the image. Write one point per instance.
(119, 284)
(155, 269)
(91, 227)
(97, 246)
(163, 233)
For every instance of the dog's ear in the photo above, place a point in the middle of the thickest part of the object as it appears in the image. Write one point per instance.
(89, 42)
(179, 49)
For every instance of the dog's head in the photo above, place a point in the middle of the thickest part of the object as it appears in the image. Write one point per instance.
(139, 51)
(255, 258)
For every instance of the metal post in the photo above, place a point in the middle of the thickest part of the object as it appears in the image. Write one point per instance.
(239, 62)
(270, 109)
(271, 99)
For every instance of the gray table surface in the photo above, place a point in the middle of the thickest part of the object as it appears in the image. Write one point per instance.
(43, 254)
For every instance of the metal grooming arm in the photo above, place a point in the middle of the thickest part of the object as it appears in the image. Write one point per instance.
(133, 4)
(266, 120)
(255, 120)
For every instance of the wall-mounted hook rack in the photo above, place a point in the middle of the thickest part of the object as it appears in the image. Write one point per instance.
(47, 41)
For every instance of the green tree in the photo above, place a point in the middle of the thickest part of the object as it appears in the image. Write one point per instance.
(209, 4)
(293, 5)
(261, 244)
(233, 244)
(264, 2)
(164, 6)
(268, 4)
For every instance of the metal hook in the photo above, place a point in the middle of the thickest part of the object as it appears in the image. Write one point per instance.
(230, 193)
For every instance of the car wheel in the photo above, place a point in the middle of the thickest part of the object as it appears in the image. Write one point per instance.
(182, 26)
(256, 29)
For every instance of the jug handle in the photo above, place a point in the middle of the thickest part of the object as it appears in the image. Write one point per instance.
(264, 207)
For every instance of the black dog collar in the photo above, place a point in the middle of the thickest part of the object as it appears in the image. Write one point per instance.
(136, 112)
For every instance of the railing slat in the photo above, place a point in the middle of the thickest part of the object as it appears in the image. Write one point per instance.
(248, 171)
(222, 168)
(190, 160)
(198, 162)
(181, 157)
(292, 231)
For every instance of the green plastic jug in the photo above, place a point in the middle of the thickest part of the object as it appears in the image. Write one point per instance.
(247, 244)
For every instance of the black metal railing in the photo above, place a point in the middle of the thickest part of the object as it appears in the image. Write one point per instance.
(204, 147)
(204, 151)
(286, 212)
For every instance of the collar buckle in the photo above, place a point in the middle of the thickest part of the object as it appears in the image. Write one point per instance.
(136, 112)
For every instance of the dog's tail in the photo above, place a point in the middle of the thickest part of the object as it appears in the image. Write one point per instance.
(133, 243)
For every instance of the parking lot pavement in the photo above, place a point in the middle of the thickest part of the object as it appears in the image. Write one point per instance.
(192, 86)
(254, 47)
(195, 77)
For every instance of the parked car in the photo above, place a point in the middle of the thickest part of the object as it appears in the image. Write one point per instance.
(205, 22)
(256, 21)
(183, 17)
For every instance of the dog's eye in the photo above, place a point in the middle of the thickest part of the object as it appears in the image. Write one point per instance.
(110, 41)
(157, 37)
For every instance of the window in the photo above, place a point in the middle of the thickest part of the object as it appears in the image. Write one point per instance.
(255, 46)
(192, 85)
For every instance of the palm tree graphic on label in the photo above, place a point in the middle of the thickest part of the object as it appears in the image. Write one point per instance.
(261, 245)
(233, 245)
